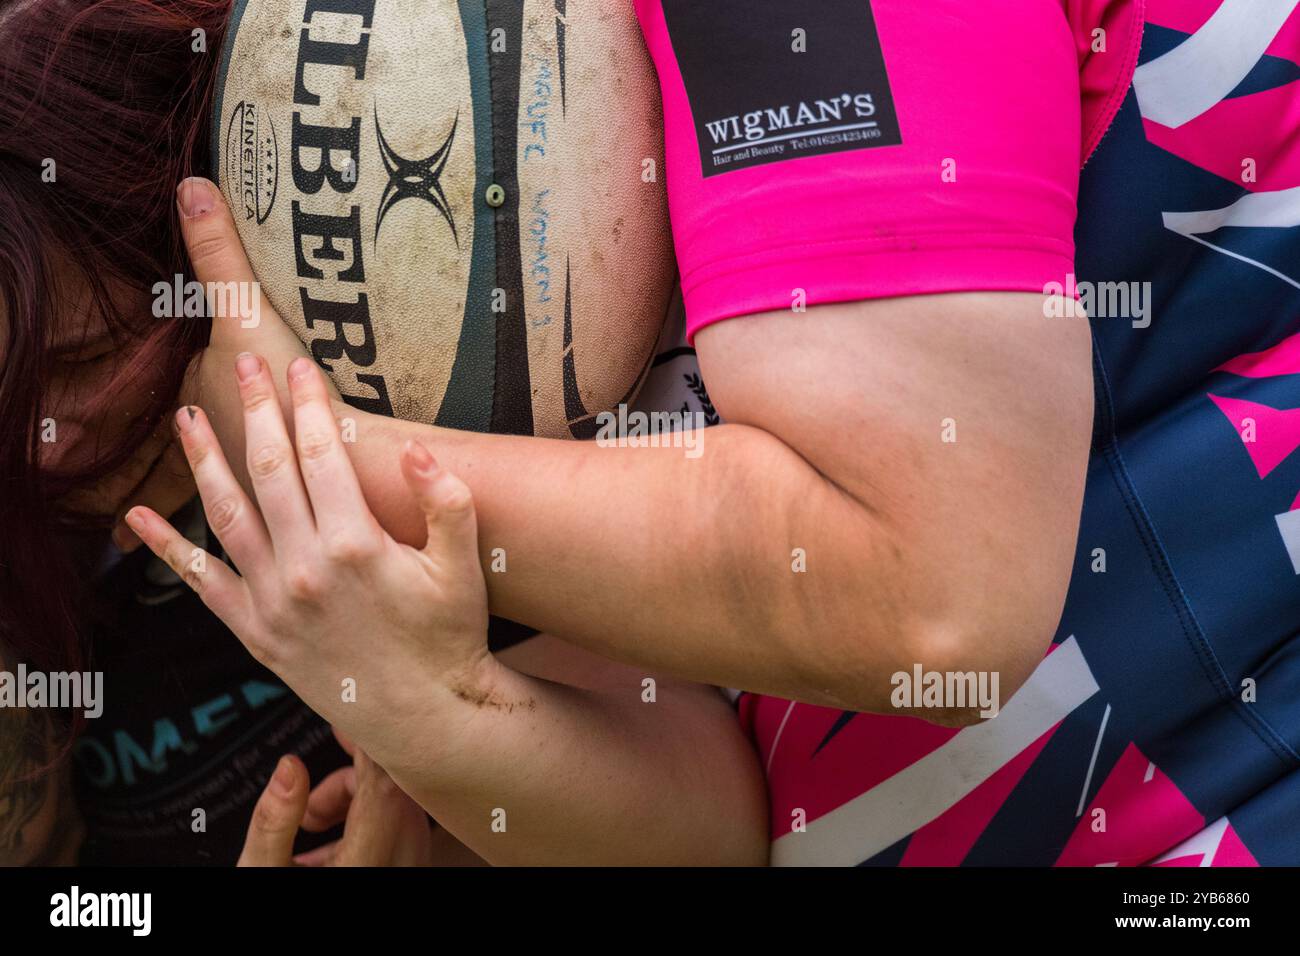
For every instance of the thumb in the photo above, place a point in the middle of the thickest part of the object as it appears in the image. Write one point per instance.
(447, 504)
(374, 827)
(217, 256)
(277, 816)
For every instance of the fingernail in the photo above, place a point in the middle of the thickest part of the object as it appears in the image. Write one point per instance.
(195, 197)
(299, 368)
(420, 457)
(246, 365)
(185, 418)
(283, 779)
(133, 520)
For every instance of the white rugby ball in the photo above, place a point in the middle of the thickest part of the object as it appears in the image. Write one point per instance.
(458, 205)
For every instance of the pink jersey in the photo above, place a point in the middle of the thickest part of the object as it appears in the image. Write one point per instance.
(1163, 727)
(863, 150)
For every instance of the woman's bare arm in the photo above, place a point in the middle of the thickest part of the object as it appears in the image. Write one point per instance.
(951, 554)
(389, 644)
(602, 768)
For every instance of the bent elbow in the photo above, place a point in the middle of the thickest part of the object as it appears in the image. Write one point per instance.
(967, 670)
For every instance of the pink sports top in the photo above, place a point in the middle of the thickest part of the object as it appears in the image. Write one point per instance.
(850, 151)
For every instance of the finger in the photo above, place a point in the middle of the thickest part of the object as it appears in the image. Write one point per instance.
(166, 489)
(277, 815)
(336, 499)
(217, 257)
(272, 464)
(224, 592)
(375, 823)
(321, 856)
(230, 514)
(402, 828)
(328, 803)
(448, 508)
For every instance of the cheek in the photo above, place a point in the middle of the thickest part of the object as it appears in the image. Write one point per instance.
(64, 445)
(108, 495)
(86, 411)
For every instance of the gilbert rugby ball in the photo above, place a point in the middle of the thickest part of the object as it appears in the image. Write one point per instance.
(457, 204)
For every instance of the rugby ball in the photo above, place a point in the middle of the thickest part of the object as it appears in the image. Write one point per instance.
(457, 204)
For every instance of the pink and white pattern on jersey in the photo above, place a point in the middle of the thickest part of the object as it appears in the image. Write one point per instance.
(883, 779)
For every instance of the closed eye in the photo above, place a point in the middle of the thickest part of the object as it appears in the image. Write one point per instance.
(84, 352)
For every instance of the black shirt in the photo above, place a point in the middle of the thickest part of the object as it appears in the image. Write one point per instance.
(192, 727)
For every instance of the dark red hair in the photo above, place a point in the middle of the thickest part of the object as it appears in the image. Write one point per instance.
(115, 93)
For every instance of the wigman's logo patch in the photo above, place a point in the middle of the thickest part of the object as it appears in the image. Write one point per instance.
(765, 87)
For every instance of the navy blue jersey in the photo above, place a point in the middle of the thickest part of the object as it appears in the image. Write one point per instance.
(1163, 725)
